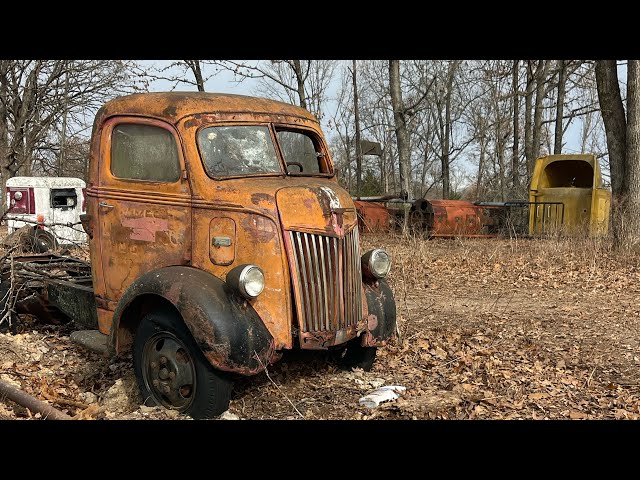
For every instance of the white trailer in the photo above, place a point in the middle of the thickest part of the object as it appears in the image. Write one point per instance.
(51, 204)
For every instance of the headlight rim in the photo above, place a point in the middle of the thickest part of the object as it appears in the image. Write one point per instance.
(237, 278)
(367, 264)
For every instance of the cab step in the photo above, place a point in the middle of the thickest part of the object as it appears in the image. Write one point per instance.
(91, 340)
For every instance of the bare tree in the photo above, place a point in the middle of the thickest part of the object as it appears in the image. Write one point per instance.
(402, 135)
(302, 82)
(37, 95)
(177, 72)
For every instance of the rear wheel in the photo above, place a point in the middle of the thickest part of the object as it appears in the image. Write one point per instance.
(172, 371)
(357, 356)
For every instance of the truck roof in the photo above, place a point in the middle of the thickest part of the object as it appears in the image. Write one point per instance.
(55, 182)
(173, 106)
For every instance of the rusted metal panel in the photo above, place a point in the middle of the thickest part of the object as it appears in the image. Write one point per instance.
(143, 225)
(225, 326)
(76, 301)
(173, 224)
(328, 287)
(318, 207)
(575, 181)
(222, 240)
(372, 217)
(452, 218)
(381, 318)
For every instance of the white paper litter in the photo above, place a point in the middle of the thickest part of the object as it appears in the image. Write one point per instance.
(380, 395)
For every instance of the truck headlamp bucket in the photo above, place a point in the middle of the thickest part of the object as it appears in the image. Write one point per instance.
(376, 263)
(248, 280)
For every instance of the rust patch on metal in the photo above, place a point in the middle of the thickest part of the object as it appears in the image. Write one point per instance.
(145, 228)
(256, 198)
(259, 229)
(195, 121)
(170, 111)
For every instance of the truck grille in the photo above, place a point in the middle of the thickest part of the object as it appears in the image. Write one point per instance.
(329, 280)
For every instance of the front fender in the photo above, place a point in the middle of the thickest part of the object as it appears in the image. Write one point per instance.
(381, 320)
(224, 325)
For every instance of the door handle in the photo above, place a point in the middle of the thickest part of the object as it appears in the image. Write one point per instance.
(105, 205)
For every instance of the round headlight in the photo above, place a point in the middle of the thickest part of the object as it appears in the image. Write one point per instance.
(376, 263)
(246, 279)
(17, 196)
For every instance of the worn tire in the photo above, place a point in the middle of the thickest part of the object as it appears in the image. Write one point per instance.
(41, 241)
(357, 356)
(208, 390)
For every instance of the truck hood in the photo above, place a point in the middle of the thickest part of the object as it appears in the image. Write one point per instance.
(325, 209)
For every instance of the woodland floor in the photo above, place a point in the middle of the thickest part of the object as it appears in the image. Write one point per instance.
(493, 329)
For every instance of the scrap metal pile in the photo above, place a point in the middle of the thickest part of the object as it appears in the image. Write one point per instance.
(29, 283)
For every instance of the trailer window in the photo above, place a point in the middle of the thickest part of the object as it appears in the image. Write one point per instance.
(63, 198)
(144, 152)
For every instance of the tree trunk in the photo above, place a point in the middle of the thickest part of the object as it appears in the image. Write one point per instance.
(500, 154)
(631, 214)
(557, 143)
(402, 136)
(297, 68)
(197, 73)
(613, 117)
(446, 144)
(528, 110)
(515, 161)
(541, 74)
(615, 126)
(480, 167)
(357, 122)
(63, 136)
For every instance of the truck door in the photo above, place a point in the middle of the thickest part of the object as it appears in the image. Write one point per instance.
(144, 203)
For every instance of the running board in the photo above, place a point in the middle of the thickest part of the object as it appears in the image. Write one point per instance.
(91, 340)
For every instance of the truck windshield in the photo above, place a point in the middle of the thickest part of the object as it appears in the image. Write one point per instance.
(238, 150)
(300, 153)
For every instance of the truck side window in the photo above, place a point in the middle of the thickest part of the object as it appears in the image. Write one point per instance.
(144, 152)
(299, 150)
(238, 150)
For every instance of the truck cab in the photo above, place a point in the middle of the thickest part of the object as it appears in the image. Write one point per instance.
(219, 237)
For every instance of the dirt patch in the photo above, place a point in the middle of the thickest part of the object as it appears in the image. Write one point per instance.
(493, 329)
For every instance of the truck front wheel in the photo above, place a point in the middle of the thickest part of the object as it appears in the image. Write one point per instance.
(172, 371)
(355, 355)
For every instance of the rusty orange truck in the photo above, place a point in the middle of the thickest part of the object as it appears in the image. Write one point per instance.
(219, 238)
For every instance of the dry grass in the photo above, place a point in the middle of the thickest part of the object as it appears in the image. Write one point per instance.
(494, 329)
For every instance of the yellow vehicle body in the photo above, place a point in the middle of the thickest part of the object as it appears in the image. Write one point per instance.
(567, 196)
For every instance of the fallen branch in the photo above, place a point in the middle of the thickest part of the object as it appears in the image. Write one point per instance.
(32, 403)
(277, 386)
(63, 401)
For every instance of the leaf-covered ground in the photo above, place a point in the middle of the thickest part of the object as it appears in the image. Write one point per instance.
(492, 329)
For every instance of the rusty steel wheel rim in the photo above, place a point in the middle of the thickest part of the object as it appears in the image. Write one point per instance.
(169, 371)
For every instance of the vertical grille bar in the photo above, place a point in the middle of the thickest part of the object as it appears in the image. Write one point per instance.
(356, 280)
(325, 292)
(357, 273)
(348, 310)
(317, 284)
(302, 279)
(336, 284)
(311, 286)
(328, 274)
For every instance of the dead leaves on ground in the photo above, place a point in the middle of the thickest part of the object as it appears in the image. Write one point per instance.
(493, 329)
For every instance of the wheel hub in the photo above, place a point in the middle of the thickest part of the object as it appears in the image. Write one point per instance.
(169, 371)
